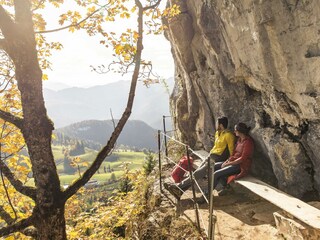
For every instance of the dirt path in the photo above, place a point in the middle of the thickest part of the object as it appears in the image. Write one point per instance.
(240, 214)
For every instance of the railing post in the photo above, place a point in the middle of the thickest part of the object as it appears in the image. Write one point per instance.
(212, 218)
(159, 149)
(195, 205)
(209, 174)
(165, 134)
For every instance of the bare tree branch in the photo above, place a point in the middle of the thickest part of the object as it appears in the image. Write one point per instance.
(113, 122)
(32, 232)
(152, 6)
(114, 127)
(2, 178)
(8, 197)
(74, 24)
(71, 190)
(16, 227)
(17, 184)
(18, 122)
(10, 155)
(38, 5)
(6, 216)
(6, 84)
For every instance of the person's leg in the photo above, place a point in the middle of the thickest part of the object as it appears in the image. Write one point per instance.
(220, 159)
(175, 189)
(225, 172)
(217, 166)
(199, 173)
(186, 183)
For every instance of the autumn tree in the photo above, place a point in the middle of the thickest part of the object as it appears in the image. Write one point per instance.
(24, 51)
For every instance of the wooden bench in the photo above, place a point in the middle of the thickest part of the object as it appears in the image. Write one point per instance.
(202, 154)
(297, 208)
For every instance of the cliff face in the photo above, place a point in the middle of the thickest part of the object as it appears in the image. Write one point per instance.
(258, 62)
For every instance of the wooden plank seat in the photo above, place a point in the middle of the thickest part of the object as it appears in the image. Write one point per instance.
(297, 208)
(202, 154)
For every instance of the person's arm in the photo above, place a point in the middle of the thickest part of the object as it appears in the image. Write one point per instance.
(246, 153)
(225, 163)
(214, 142)
(230, 159)
(230, 139)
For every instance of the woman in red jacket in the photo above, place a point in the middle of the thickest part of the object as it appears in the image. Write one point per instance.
(239, 162)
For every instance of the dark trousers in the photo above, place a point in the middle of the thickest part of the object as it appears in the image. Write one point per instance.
(223, 173)
(202, 170)
(220, 158)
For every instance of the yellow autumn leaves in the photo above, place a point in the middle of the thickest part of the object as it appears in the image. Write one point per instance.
(122, 210)
(11, 147)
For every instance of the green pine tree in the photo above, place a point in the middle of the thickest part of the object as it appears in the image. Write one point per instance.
(149, 163)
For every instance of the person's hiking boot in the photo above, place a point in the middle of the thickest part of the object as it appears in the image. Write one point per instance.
(173, 190)
(219, 187)
(224, 191)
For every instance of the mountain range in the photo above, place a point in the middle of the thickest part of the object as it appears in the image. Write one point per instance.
(71, 105)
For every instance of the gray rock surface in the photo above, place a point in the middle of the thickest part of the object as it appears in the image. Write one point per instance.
(258, 62)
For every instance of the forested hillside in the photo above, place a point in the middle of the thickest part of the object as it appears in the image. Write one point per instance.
(136, 134)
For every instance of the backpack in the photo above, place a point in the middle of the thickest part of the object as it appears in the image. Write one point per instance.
(178, 173)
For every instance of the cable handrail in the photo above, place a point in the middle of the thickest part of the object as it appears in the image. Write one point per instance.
(193, 151)
(169, 131)
(162, 145)
(174, 139)
(210, 231)
(176, 164)
(194, 180)
(200, 189)
(205, 198)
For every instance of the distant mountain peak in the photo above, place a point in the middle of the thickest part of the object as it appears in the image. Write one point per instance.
(73, 104)
(55, 86)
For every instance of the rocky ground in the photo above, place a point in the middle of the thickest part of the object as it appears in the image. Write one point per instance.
(240, 215)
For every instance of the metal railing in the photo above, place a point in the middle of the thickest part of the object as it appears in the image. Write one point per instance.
(212, 217)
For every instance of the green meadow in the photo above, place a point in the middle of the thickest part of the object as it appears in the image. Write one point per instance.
(133, 160)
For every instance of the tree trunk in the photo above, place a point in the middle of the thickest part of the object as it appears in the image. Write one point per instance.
(37, 130)
(51, 225)
(48, 215)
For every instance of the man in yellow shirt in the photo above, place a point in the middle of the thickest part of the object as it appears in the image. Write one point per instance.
(222, 149)
(224, 141)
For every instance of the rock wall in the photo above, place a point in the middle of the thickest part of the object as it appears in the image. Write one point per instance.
(255, 61)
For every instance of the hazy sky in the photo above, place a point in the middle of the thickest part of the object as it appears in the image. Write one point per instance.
(71, 65)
